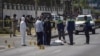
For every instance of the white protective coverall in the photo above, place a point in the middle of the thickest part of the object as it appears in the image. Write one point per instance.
(23, 31)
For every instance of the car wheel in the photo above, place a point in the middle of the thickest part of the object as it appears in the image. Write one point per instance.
(93, 31)
(76, 32)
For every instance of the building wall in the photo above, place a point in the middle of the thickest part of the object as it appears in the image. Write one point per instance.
(20, 9)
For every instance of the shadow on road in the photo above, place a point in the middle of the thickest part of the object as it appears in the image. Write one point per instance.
(90, 34)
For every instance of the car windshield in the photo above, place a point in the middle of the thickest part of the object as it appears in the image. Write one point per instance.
(82, 18)
(55, 17)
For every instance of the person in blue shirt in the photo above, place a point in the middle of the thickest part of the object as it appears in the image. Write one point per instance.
(39, 31)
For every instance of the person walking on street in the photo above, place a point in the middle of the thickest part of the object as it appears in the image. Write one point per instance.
(23, 31)
(87, 28)
(47, 31)
(39, 31)
(70, 25)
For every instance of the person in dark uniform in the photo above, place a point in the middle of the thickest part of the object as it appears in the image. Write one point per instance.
(60, 27)
(87, 28)
(29, 23)
(14, 24)
(47, 31)
(70, 29)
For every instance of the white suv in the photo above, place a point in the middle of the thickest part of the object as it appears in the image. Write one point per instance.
(79, 23)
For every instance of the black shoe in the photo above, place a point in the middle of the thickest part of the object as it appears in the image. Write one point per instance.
(47, 44)
(71, 43)
(24, 45)
(30, 34)
(64, 41)
(14, 35)
(86, 43)
(27, 34)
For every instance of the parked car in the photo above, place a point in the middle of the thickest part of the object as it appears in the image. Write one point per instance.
(46, 15)
(79, 23)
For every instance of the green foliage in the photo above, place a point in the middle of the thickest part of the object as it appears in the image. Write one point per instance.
(80, 3)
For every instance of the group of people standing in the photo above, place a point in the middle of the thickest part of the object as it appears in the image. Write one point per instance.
(43, 29)
(23, 25)
(15, 23)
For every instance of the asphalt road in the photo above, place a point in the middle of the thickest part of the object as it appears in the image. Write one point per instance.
(79, 49)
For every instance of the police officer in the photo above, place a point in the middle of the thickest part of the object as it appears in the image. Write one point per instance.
(70, 28)
(14, 24)
(60, 27)
(87, 28)
(28, 24)
(47, 31)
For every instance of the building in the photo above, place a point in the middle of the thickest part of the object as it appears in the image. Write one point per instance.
(10, 7)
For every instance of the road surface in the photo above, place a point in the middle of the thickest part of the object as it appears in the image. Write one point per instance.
(79, 49)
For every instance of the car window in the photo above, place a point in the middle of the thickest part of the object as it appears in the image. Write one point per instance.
(55, 17)
(82, 18)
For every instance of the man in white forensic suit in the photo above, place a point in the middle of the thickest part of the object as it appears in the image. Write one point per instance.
(23, 31)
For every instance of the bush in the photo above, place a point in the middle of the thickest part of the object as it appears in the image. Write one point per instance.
(5, 30)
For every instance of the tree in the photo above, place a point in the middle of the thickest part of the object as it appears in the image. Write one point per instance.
(78, 5)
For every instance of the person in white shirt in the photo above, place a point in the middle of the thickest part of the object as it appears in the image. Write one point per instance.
(23, 31)
(39, 31)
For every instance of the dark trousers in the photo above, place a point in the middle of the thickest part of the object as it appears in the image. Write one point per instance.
(87, 36)
(47, 37)
(70, 33)
(61, 34)
(39, 38)
(14, 29)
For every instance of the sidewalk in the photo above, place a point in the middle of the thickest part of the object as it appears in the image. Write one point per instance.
(16, 41)
(54, 33)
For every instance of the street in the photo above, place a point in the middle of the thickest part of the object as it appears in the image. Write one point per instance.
(79, 49)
